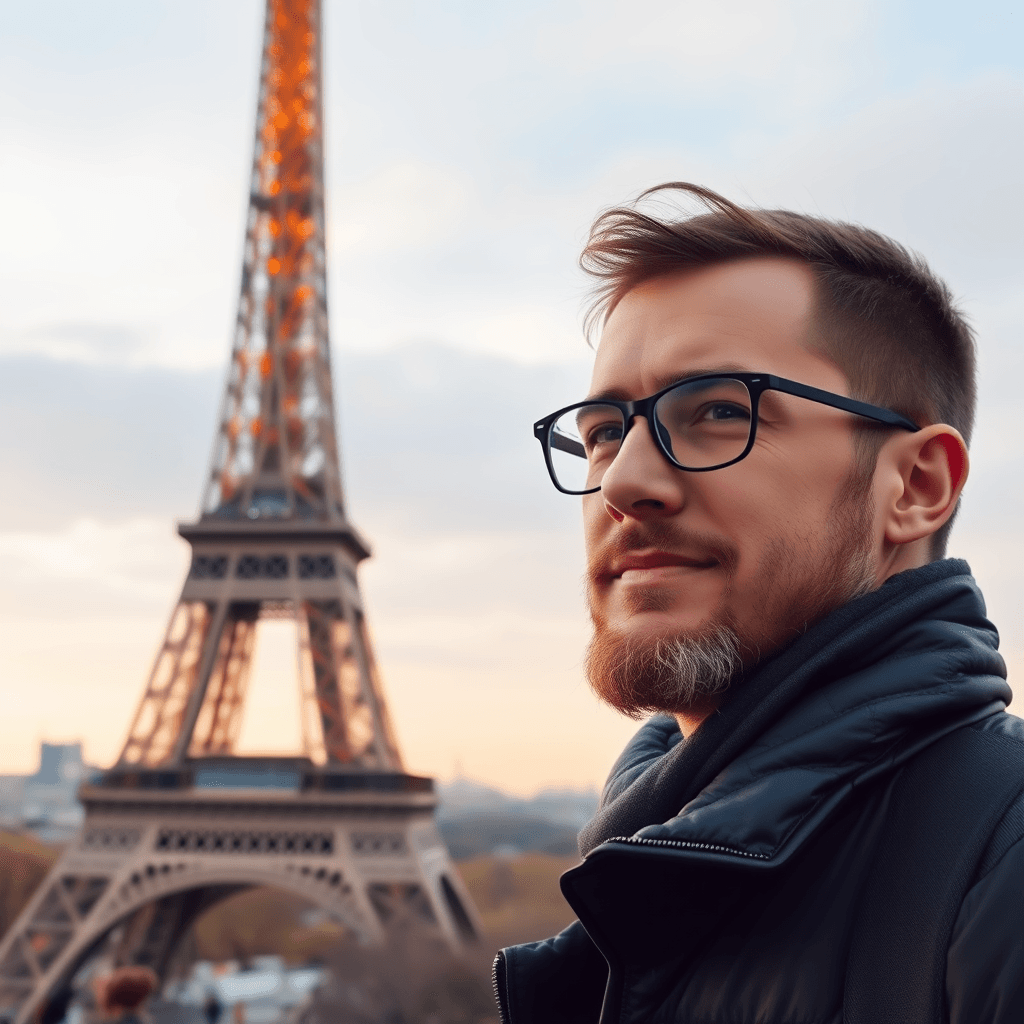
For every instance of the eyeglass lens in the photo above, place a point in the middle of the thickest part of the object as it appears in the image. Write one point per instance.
(702, 424)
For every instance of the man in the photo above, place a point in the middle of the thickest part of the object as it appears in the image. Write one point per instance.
(770, 459)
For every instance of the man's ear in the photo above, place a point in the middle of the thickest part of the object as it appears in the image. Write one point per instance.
(928, 470)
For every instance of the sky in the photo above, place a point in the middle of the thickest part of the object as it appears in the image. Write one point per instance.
(469, 146)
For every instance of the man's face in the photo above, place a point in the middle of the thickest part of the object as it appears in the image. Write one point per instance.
(762, 547)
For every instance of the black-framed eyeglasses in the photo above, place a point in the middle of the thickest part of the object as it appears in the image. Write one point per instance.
(699, 424)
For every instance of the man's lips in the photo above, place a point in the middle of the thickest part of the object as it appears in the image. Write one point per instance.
(642, 564)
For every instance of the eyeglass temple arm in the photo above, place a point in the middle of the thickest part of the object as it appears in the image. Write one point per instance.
(566, 444)
(872, 412)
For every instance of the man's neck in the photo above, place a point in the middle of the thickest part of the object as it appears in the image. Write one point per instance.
(690, 719)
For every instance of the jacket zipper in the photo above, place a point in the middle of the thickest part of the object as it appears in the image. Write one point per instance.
(499, 962)
(684, 845)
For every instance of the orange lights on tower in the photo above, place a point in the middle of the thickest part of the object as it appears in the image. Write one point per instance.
(281, 348)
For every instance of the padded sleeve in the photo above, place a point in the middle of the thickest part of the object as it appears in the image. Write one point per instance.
(985, 963)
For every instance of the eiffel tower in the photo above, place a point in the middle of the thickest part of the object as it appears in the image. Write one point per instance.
(180, 821)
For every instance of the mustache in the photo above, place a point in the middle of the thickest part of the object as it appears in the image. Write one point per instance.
(663, 537)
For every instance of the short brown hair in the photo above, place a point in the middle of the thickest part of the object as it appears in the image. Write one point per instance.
(882, 316)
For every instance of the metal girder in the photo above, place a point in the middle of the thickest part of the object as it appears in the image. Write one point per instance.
(157, 724)
(354, 722)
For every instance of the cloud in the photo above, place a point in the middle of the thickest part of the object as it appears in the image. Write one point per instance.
(706, 45)
(77, 342)
(935, 167)
(434, 439)
(439, 441)
(467, 151)
(101, 441)
(406, 204)
(90, 568)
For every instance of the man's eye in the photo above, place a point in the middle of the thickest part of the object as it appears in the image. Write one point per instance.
(604, 433)
(718, 412)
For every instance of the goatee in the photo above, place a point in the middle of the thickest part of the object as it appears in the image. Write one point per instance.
(671, 674)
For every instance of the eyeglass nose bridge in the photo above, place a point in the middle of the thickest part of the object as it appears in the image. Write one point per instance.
(644, 408)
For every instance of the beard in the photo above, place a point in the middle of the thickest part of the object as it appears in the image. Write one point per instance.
(675, 674)
(691, 669)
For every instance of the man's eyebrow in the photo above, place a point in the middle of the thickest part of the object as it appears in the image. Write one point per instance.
(621, 395)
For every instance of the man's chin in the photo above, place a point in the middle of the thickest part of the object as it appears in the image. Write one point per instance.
(649, 667)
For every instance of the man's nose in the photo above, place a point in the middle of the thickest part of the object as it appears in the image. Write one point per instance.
(641, 483)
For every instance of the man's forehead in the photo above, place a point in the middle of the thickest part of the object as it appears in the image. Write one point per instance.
(664, 380)
(752, 315)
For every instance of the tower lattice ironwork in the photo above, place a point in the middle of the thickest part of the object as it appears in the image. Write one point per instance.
(181, 821)
(273, 537)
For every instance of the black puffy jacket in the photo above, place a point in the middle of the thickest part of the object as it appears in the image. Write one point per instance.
(722, 874)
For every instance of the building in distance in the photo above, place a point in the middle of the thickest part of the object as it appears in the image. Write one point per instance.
(45, 803)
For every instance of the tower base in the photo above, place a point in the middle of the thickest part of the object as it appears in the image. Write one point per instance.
(159, 847)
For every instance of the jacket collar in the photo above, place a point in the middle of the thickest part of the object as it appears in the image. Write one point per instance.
(857, 694)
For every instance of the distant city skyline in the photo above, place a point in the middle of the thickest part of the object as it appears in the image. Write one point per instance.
(468, 150)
